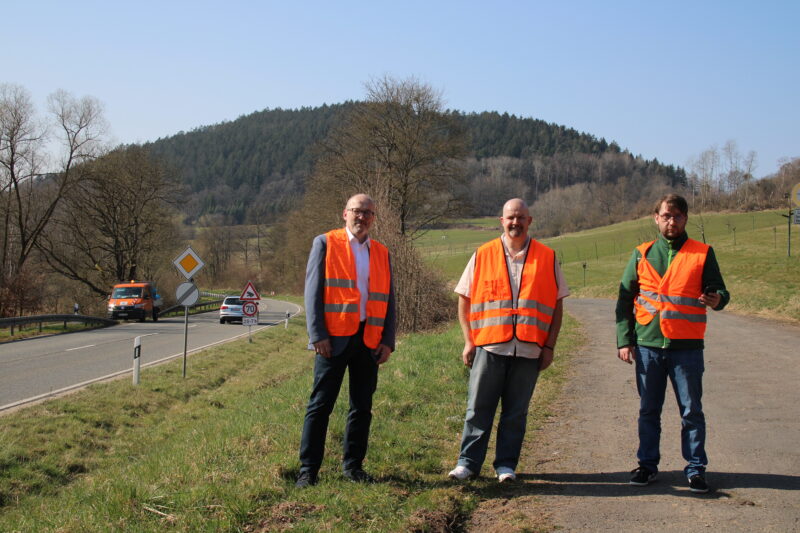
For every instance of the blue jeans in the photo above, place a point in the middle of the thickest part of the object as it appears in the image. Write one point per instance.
(328, 377)
(684, 368)
(495, 378)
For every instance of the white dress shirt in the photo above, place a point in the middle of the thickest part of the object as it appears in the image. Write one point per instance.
(361, 254)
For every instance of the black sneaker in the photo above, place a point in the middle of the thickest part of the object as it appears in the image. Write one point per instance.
(306, 479)
(358, 475)
(642, 476)
(697, 484)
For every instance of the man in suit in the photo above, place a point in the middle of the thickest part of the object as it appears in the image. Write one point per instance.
(350, 311)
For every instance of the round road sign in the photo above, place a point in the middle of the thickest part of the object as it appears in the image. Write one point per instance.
(249, 309)
(187, 294)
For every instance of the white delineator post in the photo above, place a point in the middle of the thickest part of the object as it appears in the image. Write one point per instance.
(137, 359)
(286, 324)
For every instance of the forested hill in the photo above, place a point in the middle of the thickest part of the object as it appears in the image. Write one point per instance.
(495, 135)
(254, 168)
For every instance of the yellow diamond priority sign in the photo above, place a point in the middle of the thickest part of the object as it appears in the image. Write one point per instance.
(188, 263)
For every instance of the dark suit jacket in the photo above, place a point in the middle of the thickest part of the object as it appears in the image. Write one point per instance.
(314, 293)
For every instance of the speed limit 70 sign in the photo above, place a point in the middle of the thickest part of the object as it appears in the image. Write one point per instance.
(249, 309)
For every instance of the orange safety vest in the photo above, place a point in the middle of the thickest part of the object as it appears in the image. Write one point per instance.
(676, 294)
(342, 298)
(494, 316)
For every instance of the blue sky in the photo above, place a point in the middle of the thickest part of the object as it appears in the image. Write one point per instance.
(662, 79)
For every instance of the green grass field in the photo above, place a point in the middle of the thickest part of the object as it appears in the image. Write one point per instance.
(218, 450)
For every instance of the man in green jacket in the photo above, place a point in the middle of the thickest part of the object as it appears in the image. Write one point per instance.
(661, 319)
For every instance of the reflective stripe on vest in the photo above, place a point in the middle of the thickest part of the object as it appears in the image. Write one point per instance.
(493, 317)
(342, 299)
(675, 295)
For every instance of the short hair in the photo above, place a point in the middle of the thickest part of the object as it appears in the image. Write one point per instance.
(672, 200)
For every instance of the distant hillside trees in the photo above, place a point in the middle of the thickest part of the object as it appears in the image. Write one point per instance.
(33, 185)
(255, 169)
(612, 181)
(769, 192)
(716, 173)
(257, 161)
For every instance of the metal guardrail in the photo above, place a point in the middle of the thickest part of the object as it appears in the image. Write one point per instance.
(201, 307)
(17, 321)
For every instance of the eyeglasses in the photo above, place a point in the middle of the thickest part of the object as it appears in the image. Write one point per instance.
(666, 217)
(366, 213)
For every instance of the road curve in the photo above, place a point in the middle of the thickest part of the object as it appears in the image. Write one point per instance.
(36, 368)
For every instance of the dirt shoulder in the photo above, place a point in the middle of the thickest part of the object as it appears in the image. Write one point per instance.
(575, 469)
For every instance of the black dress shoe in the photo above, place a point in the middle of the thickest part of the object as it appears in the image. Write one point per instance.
(306, 479)
(359, 476)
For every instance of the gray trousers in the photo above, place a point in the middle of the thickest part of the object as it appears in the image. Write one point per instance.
(497, 378)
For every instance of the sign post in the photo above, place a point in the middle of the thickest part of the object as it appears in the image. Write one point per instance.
(188, 264)
(794, 198)
(250, 308)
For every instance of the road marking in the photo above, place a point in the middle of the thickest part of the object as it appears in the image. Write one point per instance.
(80, 347)
(128, 371)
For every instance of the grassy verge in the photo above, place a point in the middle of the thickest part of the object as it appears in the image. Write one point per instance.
(47, 329)
(218, 450)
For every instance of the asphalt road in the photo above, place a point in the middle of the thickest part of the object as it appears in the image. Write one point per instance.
(34, 368)
(751, 400)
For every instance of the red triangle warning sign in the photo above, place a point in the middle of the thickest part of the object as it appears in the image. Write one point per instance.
(250, 292)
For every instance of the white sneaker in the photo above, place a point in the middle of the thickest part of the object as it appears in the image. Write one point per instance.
(505, 474)
(461, 473)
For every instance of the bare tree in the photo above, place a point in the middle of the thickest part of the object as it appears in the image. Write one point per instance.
(732, 160)
(399, 141)
(405, 151)
(215, 245)
(705, 172)
(31, 186)
(115, 224)
(748, 168)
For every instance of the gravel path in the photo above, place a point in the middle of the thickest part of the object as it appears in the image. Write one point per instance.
(577, 467)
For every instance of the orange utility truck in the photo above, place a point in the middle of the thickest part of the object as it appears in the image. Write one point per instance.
(136, 299)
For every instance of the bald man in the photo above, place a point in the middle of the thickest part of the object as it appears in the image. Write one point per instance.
(510, 312)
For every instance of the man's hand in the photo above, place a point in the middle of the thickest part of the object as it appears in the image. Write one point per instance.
(545, 358)
(323, 348)
(383, 352)
(468, 355)
(710, 299)
(626, 353)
